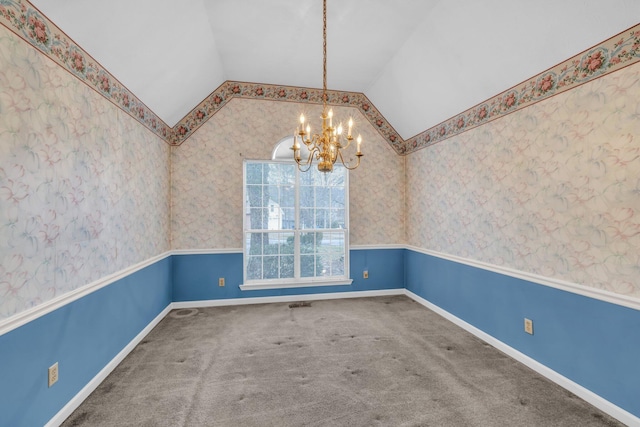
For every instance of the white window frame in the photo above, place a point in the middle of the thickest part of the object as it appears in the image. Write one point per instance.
(296, 281)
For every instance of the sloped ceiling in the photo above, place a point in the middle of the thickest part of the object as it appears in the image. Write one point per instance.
(419, 61)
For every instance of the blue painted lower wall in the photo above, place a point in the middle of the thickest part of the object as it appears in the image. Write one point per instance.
(83, 337)
(593, 343)
(195, 277)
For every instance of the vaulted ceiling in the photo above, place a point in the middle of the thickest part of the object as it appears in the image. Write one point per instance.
(419, 61)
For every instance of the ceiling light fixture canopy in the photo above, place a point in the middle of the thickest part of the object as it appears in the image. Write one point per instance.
(326, 147)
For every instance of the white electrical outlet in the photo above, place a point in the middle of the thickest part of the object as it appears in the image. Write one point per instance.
(221, 281)
(365, 274)
(528, 326)
(53, 374)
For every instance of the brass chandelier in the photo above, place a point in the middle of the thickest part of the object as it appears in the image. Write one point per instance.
(326, 147)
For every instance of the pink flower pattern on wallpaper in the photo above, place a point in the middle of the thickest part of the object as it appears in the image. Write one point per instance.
(83, 187)
(597, 62)
(22, 18)
(230, 90)
(26, 21)
(553, 189)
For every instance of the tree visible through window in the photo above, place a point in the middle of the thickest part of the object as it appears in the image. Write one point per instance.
(295, 223)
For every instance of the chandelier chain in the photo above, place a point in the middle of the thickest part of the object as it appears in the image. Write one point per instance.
(324, 54)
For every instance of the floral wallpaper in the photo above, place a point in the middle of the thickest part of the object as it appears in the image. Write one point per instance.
(613, 54)
(86, 191)
(84, 188)
(230, 90)
(553, 189)
(206, 173)
(21, 17)
(27, 22)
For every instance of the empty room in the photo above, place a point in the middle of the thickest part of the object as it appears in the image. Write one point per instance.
(319, 213)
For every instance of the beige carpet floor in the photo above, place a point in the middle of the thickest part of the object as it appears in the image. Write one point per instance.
(383, 361)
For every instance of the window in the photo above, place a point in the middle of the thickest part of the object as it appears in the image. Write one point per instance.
(295, 226)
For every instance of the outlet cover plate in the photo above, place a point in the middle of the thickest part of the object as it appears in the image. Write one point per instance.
(53, 374)
(528, 326)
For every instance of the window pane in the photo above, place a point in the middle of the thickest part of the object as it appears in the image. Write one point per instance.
(272, 194)
(254, 173)
(322, 266)
(279, 173)
(287, 196)
(322, 197)
(271, 248)
(307, 219)
(254, 196)
(258, 219)
(254, 268)
(337, 197)
(322, 218)
(286, 241)
(288, 218)
(286, 267)
(337, 177)
(337, 266)
(307, 178)
(254, 243)
(307, 243)
(274, 217)
(337, 218)
(307, 265)
(307, 199)
(271, 267)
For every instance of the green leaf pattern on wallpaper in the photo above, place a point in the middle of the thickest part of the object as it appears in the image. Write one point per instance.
(83, 187)
(553, 189)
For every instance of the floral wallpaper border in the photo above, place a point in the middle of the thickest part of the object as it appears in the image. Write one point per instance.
(231, 89)
(28, 23)
(25, 20)
(611, 55)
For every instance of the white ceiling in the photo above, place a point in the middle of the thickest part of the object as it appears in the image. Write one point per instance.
(419, 61)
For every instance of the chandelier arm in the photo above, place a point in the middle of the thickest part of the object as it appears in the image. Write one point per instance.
(301, 167)
(315, 143)
(348, 165)
(308, 163)
(344, 147)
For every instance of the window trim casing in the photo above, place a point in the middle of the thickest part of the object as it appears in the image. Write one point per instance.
(296, 282)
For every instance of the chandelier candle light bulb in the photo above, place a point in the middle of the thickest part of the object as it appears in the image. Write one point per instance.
(326, 146)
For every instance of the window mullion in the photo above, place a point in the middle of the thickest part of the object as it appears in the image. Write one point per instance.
(296, 239)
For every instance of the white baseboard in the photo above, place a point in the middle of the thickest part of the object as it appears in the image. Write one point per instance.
(585, 394)
(73, 404)
(287, 298)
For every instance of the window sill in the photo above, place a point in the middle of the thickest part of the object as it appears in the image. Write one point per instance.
(281, 285)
